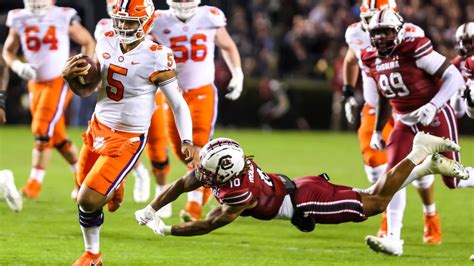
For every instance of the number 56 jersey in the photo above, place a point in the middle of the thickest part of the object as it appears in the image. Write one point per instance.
(192, 43)
(126, 99)
(44, 40)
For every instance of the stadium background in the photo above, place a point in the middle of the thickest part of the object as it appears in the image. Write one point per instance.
(299, 44)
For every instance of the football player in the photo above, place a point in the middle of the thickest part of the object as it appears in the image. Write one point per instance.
(463, 102)
(43, 30)
(375, 162)
(133, 68)
(4, 76)
(192, 32)
(418, 82)
(141, 189)
(244, 189)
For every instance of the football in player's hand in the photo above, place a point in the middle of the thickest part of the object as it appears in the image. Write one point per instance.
(93, 74)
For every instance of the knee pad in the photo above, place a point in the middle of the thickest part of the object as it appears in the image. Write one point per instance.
(64, 146)
(160, 169)
(42, 142)
(90, 219)
(424, 182)
(374, 173)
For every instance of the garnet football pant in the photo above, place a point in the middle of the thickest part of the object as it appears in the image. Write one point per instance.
(48, 101)
(371, 157)
(156, 147)
(400, 141)
(202, 104)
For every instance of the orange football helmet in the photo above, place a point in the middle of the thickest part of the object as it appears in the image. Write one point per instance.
(369, 7)
(133, 19)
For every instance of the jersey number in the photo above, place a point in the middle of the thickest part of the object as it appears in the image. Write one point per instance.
(115, 90)
(198, 51)
(393, 85)
(33, 42)
(265, 178)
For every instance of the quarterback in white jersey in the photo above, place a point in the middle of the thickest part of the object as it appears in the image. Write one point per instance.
(192, 32)
(132, 70)
(42, 30)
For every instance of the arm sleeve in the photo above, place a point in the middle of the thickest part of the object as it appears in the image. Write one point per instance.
(452, 81)
(237, 197)
(370, 90)
(430, 62)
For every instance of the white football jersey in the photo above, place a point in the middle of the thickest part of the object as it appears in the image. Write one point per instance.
(192, 43)
(358, 39)
(103, 26)
(44, 40)
(126, 100)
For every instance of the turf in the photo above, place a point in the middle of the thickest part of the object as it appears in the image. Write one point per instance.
(47, 231)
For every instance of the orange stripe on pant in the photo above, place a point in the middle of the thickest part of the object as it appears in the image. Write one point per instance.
(157, 137)
(202, 104)
(371, 157)
(107, 156)
(48, 101)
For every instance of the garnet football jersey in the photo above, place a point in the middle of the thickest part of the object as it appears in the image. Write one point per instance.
(126, 99)
(192, 43)
(267, 189)
(406, 76)
(45, 39)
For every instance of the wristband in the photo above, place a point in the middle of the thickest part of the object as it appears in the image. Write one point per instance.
(3, 99)
(187, 141)
(347, 91)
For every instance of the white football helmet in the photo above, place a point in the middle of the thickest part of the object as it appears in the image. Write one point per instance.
(183, 9)
(38, 7)
(369, 8)
(465, 39)
(386, 31)
(133, 19)
(221, 160)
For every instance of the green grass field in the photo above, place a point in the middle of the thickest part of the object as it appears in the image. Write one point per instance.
(47, 232)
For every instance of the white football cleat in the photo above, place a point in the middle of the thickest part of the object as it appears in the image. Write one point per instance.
(472, 257)
(385, 245)
(141, 190)
(432, 144)
(10, 192)
(438, 164)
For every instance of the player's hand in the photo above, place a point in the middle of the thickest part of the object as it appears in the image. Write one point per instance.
(72, 70)
(350, 107)
(469, 95)
(191, 154)
(3, 116)
(425, 114)
(24, 70)
(236, 84)
(159, 227)
(145, 215)
(377, 142)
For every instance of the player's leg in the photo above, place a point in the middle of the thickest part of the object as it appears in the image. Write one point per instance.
(203, 106)
(375, 162)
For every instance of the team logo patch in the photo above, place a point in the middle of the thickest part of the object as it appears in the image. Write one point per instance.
(106, 55)
(120, 59)
(166, 31)
(225, 162)
(214, 11)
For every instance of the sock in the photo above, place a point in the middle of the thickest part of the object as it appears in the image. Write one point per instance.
(141, 172)
(468, 182)
(429, 210)
(395, 210)
(91, 238)
(373, 173)
(417, 172)
(416, 156)
(74, 167)
(37, 173)
(424, 182)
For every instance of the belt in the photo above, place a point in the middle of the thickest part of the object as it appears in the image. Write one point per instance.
(290, 187)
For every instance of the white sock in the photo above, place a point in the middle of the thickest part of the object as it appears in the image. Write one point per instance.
(141, 172)
(37, 174)
(395, 210)
(424, 182)
(374, 173)
(91, 238)
(74, 167)
(468, 182)
(417, 172)
(196, 196)
(416, 156)
(429, 210)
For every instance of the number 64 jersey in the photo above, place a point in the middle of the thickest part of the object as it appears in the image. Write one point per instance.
(126, 99)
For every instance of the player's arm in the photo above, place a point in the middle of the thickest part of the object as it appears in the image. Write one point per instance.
(4, 76)
(232, 59)
(350, 72)
(383, 112)
(9, 53)
(81, 36)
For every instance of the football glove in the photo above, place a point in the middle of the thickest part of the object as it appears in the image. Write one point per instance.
(145, 215)
(469, 95)
(24, 70)
(159, 227)
(377, 142)
(350, 107)
(425, 114)
(235, 85)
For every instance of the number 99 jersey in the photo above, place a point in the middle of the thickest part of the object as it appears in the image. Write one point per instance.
(44, 40)
(192, 43)
(126, 99)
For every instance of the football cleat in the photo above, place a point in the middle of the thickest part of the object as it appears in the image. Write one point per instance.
(32, 189)
(432, 230)
(185, 217)
(386, 245)
(11, 194)
(438, 164)
(89, 259)
(432, 144)
(472, 257)
(383, 226)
